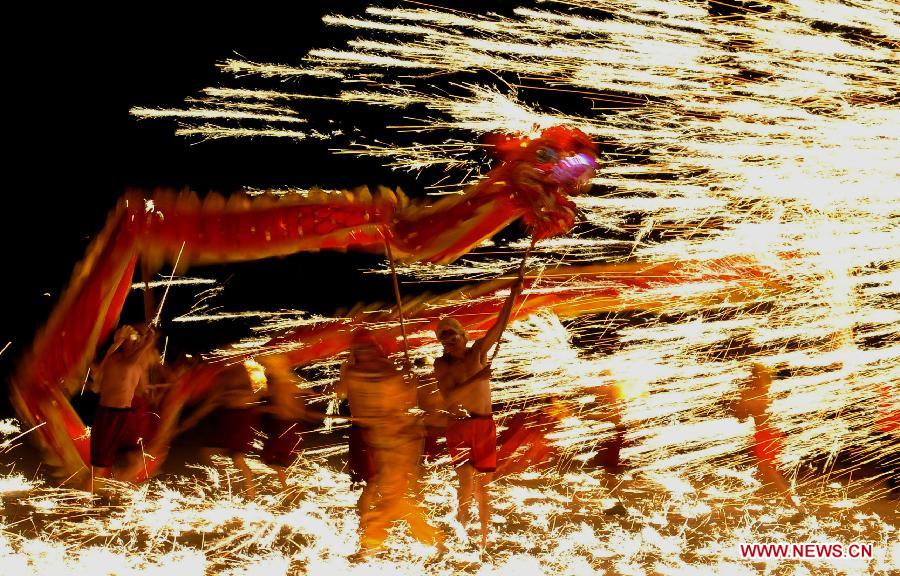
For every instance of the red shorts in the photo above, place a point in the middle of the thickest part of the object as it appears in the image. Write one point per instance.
(361, 463)
(282, 443)
(767, 444)
(232, 429)
(115, 430)
(473, 441)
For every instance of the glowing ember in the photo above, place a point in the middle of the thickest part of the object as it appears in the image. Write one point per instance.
(772, 135)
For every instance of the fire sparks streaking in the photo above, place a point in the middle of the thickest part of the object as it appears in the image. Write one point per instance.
(771, 134)
(201, 525)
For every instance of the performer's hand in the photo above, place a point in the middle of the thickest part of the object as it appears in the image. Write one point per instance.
(147, 333)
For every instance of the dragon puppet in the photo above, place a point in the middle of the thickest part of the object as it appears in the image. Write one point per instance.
(565, 291)
(533, 181)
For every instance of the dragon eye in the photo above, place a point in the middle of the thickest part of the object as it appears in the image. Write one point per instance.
(546, 155)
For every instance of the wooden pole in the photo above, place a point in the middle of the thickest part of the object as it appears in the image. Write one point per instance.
(149, 300)
(169, 285)
(521, 276)
(390, 255)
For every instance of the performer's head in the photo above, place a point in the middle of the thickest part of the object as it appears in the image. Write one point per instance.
(451, 335)
(364, 346)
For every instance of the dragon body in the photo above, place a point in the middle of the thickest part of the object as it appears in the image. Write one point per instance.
(534, 181)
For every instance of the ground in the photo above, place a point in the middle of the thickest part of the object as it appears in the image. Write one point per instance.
(192, 520)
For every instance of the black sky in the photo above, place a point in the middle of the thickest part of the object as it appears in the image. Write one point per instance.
(75, 149)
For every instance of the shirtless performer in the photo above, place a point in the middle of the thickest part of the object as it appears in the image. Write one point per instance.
(768, 441)
(381, 397)
(229, 420)
(121, 377)
(464, 378)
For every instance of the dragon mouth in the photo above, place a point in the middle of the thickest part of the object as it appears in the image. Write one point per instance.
(575, 171)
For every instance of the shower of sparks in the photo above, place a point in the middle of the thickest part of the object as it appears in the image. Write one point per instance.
(172, 282)
(771, 135)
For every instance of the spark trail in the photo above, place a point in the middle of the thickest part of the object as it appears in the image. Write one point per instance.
(763, 134)
(770, 133)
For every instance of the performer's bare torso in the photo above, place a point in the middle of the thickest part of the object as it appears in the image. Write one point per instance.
(455, 370)
(124, 371)
(121, 378)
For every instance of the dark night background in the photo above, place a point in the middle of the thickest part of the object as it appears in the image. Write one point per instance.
(75, 149)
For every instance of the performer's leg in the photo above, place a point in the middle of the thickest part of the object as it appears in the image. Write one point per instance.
(422, 530)
(280, 472)
(241, 464)
(373, 524)
(408, 507)
(366, 499)
(386, 494)
(482, 481)
(771, 476)
(465, 473)
(372, 535)
(110, 425)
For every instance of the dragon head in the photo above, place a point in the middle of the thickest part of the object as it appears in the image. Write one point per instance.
(544, 172)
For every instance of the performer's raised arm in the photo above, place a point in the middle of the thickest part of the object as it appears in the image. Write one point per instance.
(492, 336)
